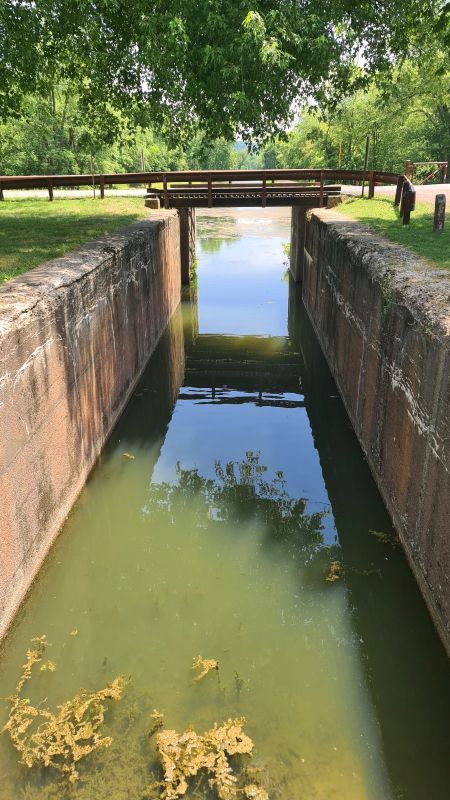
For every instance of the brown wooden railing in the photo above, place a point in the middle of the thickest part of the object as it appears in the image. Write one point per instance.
(265, 185)
(266, 177)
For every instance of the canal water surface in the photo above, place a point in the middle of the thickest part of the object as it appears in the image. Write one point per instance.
(231, 489)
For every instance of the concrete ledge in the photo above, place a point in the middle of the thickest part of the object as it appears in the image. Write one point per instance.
(383, 319)
(75, 335)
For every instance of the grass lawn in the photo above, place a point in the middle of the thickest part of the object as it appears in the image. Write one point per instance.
(380, 214)
(33, 231)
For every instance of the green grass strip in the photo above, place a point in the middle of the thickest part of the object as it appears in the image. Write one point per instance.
(34, 231)
(418, 236)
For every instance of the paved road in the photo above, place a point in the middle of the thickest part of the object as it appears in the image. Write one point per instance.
(14, 194)
(424, 194)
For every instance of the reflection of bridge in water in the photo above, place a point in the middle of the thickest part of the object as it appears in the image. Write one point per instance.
(234, 370)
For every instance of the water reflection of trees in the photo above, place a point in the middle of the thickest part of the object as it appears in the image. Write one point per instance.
(241, 493)
(212, 244)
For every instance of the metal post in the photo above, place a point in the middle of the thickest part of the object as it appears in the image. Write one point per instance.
(209, 191)
(93, 176)
(366, 159)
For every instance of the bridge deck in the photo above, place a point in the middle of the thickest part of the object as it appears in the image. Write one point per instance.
(238, 194)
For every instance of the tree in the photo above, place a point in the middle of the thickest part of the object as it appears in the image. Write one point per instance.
(228, 66)
(407, 116)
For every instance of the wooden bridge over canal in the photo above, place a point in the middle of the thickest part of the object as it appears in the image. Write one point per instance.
(301, 189)
(202, 188)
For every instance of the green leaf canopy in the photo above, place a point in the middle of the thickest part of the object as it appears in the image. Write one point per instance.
(232, 67)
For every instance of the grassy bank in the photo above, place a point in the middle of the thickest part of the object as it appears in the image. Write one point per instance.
(417, 236)
(33, 231)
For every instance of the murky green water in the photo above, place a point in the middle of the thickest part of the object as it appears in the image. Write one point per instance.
(246, 482)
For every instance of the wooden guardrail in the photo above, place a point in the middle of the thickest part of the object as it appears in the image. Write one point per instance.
(267, 179)
(51, 182)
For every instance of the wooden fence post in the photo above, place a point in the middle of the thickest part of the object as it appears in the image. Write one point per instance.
(371, 185)
(408, 203)
(50, 188)
(102, 187)
(166, 196)
(439, 213)
(398, 191)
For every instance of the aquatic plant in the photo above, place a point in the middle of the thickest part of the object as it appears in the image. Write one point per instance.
(238, 684)
(205, 664)
(255, 792)
(335, 571)
(57, 739)
(184, 755)
(384, 538)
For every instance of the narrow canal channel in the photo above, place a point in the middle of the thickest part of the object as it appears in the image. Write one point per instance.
(231, 488)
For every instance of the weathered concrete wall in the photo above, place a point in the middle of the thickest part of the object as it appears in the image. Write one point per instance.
(187, 243)
(75, 335)
(383, 319)
(297, 248)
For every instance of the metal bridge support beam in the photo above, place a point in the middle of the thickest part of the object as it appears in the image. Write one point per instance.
(297, 249)
(187, 243)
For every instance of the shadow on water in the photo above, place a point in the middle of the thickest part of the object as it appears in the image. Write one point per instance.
(405, 666)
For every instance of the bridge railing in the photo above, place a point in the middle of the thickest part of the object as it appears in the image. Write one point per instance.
(266, 179)
(210, 177)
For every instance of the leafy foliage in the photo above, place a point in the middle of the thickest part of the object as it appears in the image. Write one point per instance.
(405, 116)
(217, 65)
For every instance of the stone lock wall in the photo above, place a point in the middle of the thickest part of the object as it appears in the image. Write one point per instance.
(382, 317)
(75, 335)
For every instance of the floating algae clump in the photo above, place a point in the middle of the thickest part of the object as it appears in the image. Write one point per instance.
(335, 571)
(205, 664)
(385, 538)
(183, 755)
(255, 792)
(60, 739)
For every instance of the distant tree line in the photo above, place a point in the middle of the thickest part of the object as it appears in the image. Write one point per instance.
(405, 116)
